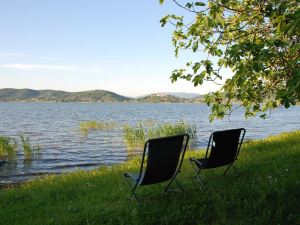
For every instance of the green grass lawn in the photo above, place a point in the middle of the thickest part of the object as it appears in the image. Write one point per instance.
(266, 192)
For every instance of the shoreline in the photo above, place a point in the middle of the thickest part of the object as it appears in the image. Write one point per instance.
(93, 102)
(40, 176)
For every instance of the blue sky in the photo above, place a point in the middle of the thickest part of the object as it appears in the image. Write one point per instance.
(79, 45)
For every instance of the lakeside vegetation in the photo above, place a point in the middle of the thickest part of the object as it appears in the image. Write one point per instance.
(266, 192)
(30, 151)
(10, 147)
(135, 137)
(92, 125)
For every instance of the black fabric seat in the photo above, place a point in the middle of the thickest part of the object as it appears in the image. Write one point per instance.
(2, 163)
(223, 149)
(163, 158)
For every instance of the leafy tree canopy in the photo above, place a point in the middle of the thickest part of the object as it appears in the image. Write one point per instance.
(257, 39)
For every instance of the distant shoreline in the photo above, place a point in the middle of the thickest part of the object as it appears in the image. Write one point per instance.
(129, 102)
(31, 95)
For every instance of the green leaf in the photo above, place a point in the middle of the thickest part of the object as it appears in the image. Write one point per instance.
(199, 4)
(189, 5)
(196, 67)
(195, 46)
(164, 20)
(295, 48)
(176, 52)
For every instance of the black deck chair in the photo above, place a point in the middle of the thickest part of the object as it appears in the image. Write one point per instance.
(164, 158)
(222, 150)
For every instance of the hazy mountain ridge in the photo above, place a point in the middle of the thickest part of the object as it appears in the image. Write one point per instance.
(9, 94)
(155, 98)
(30, 95)
(180, 94)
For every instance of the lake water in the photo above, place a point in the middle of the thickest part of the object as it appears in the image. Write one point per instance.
(55, 126)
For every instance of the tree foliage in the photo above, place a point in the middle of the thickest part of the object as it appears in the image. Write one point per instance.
(258, 40)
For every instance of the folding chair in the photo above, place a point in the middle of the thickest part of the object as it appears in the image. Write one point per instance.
(223, 149)
(164, 157)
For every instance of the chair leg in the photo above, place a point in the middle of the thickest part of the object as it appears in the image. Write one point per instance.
(197, 173)
(235, 170)
(131, 188)
(236, 173)
(177, 183)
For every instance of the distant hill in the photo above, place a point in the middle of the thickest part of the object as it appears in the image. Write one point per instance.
(198, 99)
(30, 95)
(9, 94)
(179, 97)
(180, 94)
(155, 98)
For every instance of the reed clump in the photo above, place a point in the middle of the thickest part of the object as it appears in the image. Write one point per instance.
(93, 125)
(30, 151)
(135, 137)
(8, 148)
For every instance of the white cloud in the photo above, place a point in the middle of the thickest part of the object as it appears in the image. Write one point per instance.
(38, 66)
(13, 55)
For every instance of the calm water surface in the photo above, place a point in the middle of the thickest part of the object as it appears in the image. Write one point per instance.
(55, 126)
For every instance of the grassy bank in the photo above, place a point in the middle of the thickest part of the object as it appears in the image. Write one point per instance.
(267, 192)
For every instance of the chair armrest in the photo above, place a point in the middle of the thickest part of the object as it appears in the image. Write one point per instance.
(196, 161)
(130, 175)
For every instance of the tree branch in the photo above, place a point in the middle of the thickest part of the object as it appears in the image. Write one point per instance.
(181, 6)
(229, 8)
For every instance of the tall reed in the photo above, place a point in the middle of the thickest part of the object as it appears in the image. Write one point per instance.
(30, 151)
(135, 137)
(8, 148)
(88, 126)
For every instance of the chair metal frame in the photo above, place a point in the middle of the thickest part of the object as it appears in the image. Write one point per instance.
(201, 165)
(138, 180)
